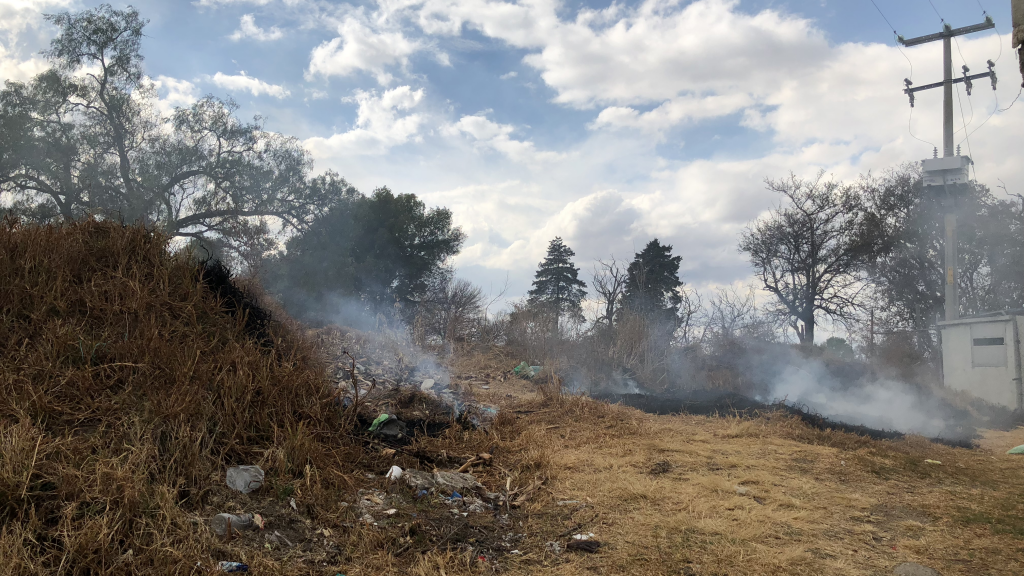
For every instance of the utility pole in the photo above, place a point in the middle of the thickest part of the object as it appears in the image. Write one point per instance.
(948, 175)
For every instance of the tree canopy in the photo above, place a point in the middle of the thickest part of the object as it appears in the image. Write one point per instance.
(380, 249)
(907, 270)
(86, 137)
(811, 251)
(652, 284)
(556, 285)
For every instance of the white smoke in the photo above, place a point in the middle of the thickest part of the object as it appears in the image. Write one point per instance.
(882, 404)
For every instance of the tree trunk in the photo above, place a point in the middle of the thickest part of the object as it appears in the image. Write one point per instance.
(808, 331)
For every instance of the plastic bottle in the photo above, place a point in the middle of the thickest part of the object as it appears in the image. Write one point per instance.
(220, 523)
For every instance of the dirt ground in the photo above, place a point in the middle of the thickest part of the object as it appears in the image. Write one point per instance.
(721, 495)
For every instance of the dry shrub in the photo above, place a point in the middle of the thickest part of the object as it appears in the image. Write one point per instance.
(125, 387)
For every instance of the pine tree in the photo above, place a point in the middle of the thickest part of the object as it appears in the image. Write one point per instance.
(652, 284)
(556, 286)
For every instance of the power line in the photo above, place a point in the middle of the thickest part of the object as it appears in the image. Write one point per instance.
(910, 119)
(969, 102)
(891, 27)
(937, 11)
(911, 130)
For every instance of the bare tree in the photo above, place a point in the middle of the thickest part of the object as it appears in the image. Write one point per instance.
(810, 251)
(734, 314)
(609, 281)
(452, 309)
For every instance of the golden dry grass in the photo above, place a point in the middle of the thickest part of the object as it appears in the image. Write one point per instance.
(768, 496)
(127, 388)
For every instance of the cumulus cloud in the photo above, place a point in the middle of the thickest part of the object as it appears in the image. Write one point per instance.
(488, 134)
(174, 93)
(247, 28)
(359, 48)
(245, 83)
(382, 122)
(22, 35)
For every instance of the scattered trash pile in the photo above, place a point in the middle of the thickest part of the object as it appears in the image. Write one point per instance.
(154, 416)
(714, 402)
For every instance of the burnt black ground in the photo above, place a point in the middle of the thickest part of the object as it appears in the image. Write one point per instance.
(718, 403)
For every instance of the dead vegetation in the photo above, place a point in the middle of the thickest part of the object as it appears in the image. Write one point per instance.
(130, 381)
(127, 386)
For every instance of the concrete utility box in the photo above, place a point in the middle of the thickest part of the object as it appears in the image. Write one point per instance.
(982, 356)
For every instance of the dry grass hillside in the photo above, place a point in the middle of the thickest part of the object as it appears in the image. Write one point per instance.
(131, 378)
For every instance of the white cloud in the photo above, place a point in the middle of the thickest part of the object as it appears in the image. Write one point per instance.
(247, 28)
(22, 35)
(174, 93)
(488, 134)
(379, 125)
(245, 83)
(508, 75)
(675, 111)
(358, 48)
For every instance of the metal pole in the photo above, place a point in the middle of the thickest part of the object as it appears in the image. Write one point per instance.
(952, 303)
(947, 97)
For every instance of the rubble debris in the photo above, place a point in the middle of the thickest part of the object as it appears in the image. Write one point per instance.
(418, 480)
(553, 547)
(245, 479)
(222, 524)
(455, 481)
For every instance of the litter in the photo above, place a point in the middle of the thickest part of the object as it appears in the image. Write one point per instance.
(524, 370)
(586, 536)
(427, 384)
(224, 523)
(391, 512)
(589, 546)
(1016, 450)
(567, 502)
(456, 495)
(933, 462)
(245, 479)
(378, 421)
(456, 481)
(291, 502)
(741, 490)
(233, 567)
(394, 474)
(553, 547)
(422, 493)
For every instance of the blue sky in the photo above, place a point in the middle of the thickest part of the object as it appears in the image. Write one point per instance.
(605, 123)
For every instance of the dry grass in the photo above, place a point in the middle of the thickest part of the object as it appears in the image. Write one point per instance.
(126, 389)
(661, 493)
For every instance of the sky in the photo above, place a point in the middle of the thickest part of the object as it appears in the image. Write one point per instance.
(605, 123)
